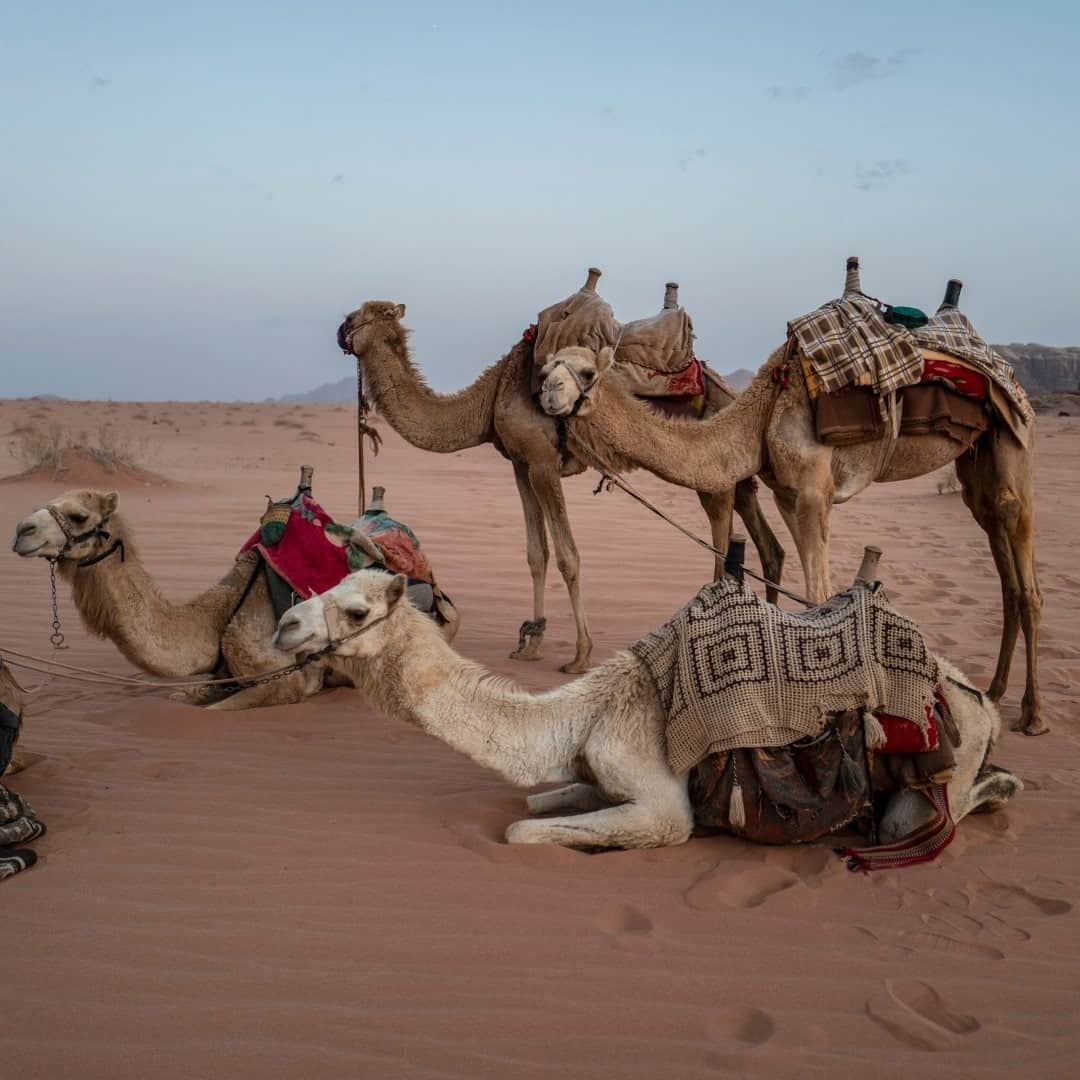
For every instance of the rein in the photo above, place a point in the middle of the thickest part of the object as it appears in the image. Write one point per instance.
(29, 662)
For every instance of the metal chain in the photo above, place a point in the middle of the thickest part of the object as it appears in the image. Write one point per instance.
(56, 638)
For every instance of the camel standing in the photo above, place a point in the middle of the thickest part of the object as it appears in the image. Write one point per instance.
(769, 432)
(603, 735)
(498, 408)
(227, 629)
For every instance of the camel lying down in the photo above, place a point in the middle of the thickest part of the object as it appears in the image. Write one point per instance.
(602, 734)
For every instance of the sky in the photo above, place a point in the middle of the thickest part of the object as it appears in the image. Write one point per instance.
(192, 196)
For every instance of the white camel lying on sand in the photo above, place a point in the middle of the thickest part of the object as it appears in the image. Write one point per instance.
(603, 733)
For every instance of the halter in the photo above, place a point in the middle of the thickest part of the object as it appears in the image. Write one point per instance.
(98, 532)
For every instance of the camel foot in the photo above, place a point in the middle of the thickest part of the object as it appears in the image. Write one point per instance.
(996, 691)
(533, 651)
(577, 666)
(530, 640)
(1032, 725)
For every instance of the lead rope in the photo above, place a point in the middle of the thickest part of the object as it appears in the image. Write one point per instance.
(56, 638)
(610, 477)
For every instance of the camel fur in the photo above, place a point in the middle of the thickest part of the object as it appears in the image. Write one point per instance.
(499, 408)
(601, 736)
(769, 432)
(226, 630)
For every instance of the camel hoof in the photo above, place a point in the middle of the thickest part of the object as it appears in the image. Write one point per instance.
(576, 667)
(1036, 726)
(530, 652)
(996, 691)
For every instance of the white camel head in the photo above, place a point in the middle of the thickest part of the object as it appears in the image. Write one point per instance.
(355, 612)
(73, 527)
(570, 377)
(358, 324)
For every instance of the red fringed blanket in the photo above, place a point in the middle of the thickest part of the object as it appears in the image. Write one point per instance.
(304, 556)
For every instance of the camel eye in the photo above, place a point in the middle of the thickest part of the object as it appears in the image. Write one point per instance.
(78, 519)
(589, 374)
(357, 614)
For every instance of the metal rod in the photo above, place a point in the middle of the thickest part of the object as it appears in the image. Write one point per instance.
(361, 409)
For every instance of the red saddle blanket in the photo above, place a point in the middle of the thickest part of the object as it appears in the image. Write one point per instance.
(304, 556)
(959, 377)
(311, 562)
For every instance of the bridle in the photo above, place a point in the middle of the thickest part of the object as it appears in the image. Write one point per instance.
(562, 425)
(72, 538)
(349, 334)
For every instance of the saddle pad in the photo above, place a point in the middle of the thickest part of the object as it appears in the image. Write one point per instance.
(735, 672)
(305, 556)
(642, 382)
(937, 367)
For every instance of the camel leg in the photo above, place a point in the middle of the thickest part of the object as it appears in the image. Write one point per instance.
(997, 484)
(629, 825)
(531, 643)
(770, 552)
(806, 515)
(247, 649)
(718, 509)
(571, 797)
(548, 487)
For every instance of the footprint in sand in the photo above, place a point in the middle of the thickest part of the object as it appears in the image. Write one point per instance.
(723, 889)
(913, 1013)
(741, 1024)
(943, 944)
(626, 926)
(1017, 898)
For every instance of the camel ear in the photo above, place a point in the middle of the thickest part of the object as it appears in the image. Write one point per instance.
(604, 359)
(399, 311)
(395, 590)
(108, 503)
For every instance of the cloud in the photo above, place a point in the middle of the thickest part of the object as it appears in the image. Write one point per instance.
(789, 93)
(692, 158)
(843, 73)
(856, 68)
(868, 177)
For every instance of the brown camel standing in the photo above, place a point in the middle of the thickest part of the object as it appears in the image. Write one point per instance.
(499, 408)
(769, 431)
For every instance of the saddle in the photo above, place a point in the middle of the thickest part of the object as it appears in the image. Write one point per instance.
(800, 792)
(655, 355)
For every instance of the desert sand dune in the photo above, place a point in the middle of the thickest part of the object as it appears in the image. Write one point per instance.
(313, 890)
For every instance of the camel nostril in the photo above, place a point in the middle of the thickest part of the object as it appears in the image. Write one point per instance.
(24, 528)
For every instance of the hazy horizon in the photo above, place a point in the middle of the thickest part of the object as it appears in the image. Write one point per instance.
(194, 198)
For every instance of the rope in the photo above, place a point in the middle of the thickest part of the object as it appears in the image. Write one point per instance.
(105, 678)
(613, 478)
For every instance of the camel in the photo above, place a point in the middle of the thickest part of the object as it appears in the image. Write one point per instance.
(227, 629)
(769, 432)
(498, 408)
(603, 735)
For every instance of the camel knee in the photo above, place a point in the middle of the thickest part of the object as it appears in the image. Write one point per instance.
(569, 568)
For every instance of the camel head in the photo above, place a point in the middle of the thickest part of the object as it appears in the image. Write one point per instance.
(372, 316)
(570, 378)
(72, 528)
(366, 599)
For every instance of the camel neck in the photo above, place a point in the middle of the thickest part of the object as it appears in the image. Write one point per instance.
(442, 423)
(119, 600)
(527, 738)
(706, 455)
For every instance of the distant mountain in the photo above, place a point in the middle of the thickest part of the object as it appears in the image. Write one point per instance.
(341, 392)
(1042, 369)
(739, 379)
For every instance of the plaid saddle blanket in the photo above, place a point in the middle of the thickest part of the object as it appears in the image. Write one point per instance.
(846, 342)
(733, 671)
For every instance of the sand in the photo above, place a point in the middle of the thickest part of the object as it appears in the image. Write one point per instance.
(314, 890)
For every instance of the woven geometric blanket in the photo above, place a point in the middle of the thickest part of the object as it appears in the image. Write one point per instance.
(733, 671)
(846, 342)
